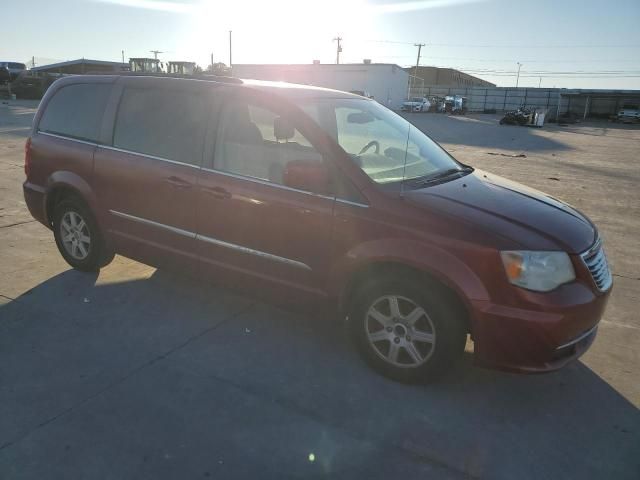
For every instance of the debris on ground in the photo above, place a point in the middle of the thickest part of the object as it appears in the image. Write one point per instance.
(553, 178)
(513, 155)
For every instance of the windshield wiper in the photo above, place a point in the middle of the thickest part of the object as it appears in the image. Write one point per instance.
(439, 176)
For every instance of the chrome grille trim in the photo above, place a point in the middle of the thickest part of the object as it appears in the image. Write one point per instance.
(596, 262)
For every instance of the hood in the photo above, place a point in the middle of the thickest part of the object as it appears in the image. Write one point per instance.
(510, 210)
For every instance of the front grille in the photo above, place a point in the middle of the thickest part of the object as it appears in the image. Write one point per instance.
(596, 261)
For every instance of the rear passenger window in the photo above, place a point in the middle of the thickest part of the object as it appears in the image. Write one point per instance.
(256, 142)
(168, 124)
(75, 111)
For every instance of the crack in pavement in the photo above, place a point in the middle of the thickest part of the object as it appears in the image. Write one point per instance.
(130, 374)
(17, 223)
(624, 276)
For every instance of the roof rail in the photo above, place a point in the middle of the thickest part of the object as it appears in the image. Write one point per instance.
(197, 76)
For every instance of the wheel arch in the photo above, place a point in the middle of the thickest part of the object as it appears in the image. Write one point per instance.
(427, 262)
(65, 184)
(373, 270)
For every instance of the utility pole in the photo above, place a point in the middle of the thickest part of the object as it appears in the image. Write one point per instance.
(518, 77)
(122, 56)
(230, 58)
(33, 62)
(415, 73)
(540, 82)
(338, 49)
(155, 53)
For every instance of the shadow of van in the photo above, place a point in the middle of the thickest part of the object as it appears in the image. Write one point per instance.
(174, 360)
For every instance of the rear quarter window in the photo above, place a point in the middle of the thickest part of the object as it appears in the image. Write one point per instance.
(75, 111)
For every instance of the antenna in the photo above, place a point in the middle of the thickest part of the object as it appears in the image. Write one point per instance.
(404, 167)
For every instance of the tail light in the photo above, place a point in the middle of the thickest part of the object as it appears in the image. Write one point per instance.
(27, 157)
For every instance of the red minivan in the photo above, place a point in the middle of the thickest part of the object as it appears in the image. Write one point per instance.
(318, 195)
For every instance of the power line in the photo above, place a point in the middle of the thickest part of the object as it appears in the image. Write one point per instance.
(461, 45)
(511, 60)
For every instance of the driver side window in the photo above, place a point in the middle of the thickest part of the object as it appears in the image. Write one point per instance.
(256, 142)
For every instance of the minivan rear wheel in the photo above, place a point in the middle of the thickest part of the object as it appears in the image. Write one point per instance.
(407, 332)
(78, 237)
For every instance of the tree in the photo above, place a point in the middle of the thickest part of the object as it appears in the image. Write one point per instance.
(219, 68)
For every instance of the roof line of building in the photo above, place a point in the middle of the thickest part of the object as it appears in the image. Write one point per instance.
(360, 64)
(78, 61)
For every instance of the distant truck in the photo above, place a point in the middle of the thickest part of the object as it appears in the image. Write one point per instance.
(14, 68)
(455, 104)
(416, 104)
(32, 84)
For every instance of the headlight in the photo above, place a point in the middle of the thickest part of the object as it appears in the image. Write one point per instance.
(539, 271)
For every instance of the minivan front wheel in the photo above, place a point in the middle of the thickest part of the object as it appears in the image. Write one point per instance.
(78, 237)
(410, 333)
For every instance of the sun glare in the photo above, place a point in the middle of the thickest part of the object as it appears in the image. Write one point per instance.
(279, 31)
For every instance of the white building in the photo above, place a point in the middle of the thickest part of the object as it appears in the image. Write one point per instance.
(386, 82)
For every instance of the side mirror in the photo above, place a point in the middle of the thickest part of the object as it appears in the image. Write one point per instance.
(308, 175)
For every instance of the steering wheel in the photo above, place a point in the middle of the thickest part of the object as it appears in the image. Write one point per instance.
(369, 145)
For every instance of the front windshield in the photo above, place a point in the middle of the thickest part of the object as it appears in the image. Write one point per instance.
(383, 144)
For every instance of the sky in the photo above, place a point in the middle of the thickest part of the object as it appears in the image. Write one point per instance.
(559, 43)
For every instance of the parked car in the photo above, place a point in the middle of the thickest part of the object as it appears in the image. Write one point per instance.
(14, 68)
(314, 195)
(416, 104)
(628, 114)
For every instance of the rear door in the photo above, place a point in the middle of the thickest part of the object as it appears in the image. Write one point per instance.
(251, 227)
(146, 176)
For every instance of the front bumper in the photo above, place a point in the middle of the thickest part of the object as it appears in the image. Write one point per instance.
(543, 338)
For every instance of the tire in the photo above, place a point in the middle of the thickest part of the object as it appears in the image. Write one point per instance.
(425, 313)
(78, 237)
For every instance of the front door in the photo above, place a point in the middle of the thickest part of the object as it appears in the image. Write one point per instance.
(251, 227)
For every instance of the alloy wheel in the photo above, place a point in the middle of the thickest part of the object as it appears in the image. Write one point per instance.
(400, 331)
(75, 235)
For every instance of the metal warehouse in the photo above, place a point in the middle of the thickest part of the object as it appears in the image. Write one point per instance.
(385, 82)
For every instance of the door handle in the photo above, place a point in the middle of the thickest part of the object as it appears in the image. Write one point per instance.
(217, 192)
(177, 182)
